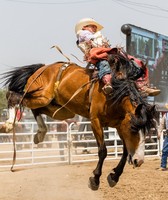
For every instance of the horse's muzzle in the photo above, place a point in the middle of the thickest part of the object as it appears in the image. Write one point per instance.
(135, 161)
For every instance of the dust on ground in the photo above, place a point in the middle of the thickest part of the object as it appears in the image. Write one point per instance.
(70, 182)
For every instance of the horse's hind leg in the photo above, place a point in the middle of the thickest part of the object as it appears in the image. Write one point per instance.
(38, 99)
(49, 111)
(114, 176)
(102, 153)
(42, 128)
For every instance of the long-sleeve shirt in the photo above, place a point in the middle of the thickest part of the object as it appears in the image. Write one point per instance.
(85, 35)
(97, 39)
(162, 123)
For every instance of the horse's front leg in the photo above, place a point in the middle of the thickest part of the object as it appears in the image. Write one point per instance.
(113, 177)
(42, 128)
(102, 153)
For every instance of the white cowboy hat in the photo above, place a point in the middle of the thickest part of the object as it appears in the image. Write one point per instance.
(87, 21)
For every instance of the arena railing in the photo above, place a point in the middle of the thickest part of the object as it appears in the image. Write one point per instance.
(68, 145)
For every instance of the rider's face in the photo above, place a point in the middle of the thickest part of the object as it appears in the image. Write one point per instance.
(92, 28)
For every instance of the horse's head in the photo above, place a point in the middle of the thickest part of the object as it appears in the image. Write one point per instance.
(137, 116)
(124, 66)
(134, 128)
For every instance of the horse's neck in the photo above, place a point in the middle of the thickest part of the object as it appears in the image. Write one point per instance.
(127, 105)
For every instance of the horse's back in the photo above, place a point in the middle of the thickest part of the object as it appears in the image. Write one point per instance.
(74, 80)
(48, 75)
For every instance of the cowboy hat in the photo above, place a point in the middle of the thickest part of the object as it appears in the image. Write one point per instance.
(87, 21)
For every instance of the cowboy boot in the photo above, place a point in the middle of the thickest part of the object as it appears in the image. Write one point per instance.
(107, 81)
(150, 91)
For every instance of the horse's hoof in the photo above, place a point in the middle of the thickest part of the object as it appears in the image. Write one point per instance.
(92, 184)
(36, 140)
(7, 127)
(39, 137)
(111, 182)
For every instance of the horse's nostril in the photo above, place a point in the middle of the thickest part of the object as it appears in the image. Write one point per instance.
(135, 162)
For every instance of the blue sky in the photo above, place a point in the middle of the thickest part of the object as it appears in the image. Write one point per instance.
(30, 27)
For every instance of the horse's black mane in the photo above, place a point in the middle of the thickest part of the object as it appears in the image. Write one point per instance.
(123, 88)
(17, 78)
(127, 87)
(148, 115)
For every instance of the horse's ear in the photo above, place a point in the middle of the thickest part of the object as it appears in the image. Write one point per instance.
(138, 109)
(114, 50)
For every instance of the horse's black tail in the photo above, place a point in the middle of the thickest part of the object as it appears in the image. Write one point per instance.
(17, 78)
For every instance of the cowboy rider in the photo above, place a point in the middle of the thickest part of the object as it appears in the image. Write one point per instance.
(89, 40)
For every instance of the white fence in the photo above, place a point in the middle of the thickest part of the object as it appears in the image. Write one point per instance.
(62, 146)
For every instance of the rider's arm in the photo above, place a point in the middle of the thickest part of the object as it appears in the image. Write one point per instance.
(162, 126)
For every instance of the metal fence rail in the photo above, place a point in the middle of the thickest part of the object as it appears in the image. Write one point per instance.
(68, 146)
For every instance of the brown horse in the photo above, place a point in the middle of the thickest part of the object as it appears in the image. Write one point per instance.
(61, 90)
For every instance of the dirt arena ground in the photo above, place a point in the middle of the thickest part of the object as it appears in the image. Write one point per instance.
(69, 182)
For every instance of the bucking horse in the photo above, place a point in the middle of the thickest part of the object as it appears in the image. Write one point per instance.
(63, 89)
